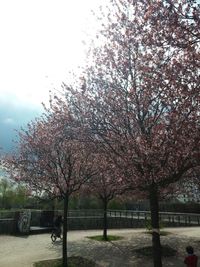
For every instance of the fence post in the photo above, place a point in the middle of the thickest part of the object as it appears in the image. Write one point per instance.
(173, 218)
(185, 220)
(179, 221)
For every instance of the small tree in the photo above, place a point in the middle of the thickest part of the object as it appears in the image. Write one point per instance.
(105, 185)
(51, 160)
(6, 194)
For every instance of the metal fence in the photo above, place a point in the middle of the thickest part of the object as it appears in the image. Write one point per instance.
(167, 218)
(93, 219)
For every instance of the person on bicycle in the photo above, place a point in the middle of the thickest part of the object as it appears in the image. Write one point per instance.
(58, 224)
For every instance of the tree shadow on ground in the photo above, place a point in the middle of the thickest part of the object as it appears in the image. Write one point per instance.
(122, 252)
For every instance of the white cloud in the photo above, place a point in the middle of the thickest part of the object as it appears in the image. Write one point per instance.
(41, 40)
(8, 121)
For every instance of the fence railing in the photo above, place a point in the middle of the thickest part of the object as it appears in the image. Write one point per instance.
(168, 218)
(7, 214)
(93, 219)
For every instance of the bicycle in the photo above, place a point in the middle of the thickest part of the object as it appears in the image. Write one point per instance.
(55, 234)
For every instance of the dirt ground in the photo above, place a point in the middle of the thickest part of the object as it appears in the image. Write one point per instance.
(24, 251)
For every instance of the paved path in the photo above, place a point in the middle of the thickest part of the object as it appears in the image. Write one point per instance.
(23, 251)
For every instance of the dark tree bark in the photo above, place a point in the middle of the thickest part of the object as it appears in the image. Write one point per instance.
(65, 229)
(154, 207)
(105, 219)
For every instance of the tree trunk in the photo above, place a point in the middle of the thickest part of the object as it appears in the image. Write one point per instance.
(53, 207)
(154, 207)
(53, 204)
(64, 252)
(105, 219)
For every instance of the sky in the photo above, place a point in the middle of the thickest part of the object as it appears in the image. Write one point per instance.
(41, 41)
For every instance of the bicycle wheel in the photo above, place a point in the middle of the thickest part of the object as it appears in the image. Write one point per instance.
(53, 237)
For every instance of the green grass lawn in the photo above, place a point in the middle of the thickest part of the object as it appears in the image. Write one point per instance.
(110, 238)
(72, 262)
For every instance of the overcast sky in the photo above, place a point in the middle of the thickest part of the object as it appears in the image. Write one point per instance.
(41, 40)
